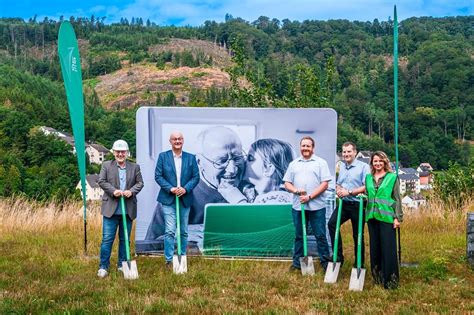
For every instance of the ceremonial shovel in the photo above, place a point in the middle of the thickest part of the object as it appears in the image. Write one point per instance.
(180, 264)
(306, 262)
(129, 268)
(332, 271)
(358, 274)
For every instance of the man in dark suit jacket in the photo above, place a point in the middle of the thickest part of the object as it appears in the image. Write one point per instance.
(117, 178)
(221, 164)
(177, 174)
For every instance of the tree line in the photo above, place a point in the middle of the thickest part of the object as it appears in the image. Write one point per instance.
(339, 64)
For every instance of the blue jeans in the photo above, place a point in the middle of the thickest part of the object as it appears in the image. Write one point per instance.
(317, 219)
(169, 213)
(109, 230)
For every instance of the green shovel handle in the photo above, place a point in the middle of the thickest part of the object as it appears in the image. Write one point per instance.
(125, 227)
(303, 224)
(359, 234)
(338, 226)
(178, 231)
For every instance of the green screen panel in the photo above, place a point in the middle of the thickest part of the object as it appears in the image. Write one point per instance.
(249, 230)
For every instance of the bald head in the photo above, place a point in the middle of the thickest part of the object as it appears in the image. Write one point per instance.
(176, 141)
(217, 138)
(220, 159)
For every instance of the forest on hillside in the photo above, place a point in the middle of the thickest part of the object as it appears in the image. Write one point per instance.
(340, 64)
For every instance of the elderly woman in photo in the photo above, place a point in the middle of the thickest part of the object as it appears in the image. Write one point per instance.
(267, 161)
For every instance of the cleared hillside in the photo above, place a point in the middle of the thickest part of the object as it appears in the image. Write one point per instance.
(220, 55)
(141, 84)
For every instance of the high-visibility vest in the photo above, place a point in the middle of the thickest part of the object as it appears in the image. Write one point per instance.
(380, 204)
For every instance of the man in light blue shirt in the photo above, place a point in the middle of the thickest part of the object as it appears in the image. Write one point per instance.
(350, 183)
(117, 178)
(307, 177)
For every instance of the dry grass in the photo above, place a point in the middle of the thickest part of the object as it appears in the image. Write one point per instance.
(44, 270)
(21, 214)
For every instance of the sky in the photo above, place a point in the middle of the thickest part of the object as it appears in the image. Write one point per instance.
(196, 12)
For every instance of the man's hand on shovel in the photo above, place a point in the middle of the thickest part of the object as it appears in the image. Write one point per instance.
(178, 191)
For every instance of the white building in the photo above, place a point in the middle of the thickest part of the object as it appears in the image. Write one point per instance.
(409, 183)
(96, 153)
(413, 201)
(363, 154)
(60, 135)
(93, 191)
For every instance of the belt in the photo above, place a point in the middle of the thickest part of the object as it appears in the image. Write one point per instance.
(350, 202)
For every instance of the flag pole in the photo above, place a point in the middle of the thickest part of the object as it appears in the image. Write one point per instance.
(395, 100)
(69, 59)
(395, 81)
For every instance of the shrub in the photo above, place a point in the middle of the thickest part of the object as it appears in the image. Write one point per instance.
(455, 186)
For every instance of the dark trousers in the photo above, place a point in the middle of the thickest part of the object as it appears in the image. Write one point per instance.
(317, 220)
(383, 253)
(349, 211)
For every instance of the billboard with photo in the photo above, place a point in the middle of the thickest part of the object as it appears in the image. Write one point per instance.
(242, 154)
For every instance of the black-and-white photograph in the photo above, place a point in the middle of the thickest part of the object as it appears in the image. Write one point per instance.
(239, 162)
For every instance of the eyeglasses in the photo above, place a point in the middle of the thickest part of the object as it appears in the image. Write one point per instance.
(176, 139)
(223, 162)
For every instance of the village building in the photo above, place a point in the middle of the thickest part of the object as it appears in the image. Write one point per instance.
(93, 191)
(96, 153)
(409, 184)
(413, 201)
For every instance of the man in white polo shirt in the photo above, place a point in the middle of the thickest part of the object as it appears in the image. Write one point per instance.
(307, 177)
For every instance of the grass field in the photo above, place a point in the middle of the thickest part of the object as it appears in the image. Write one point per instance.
(44, 270)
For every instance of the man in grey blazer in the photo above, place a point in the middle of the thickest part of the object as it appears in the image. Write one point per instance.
(177, 174)
(117, 178)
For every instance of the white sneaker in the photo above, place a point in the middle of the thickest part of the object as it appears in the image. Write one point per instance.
(102, 273)
(120, 269)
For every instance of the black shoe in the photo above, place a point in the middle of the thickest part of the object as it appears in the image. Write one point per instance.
(324, 266)
(294, 269)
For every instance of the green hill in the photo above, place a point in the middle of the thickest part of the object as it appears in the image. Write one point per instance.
(339, 64)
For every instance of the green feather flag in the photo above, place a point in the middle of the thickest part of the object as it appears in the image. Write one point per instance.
(71, 69)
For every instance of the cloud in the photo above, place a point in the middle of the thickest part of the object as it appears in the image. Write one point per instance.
(196, 12)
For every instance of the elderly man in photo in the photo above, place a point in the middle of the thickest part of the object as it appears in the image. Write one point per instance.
(307, 177)
(117, 178)
(350, 183)
(177, 174)
(221, 164)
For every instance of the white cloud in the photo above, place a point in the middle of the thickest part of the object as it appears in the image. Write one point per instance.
(195, 12)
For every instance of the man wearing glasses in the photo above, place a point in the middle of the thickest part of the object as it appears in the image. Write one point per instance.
(177, 174)
(221, 163)
(117, 178)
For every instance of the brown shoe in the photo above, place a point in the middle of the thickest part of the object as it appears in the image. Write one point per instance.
(169, 265)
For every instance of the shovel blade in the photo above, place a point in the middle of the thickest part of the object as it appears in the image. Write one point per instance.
(332, 271)
(180, 264)
(307, 266)
(357, 280)
(130, 271)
